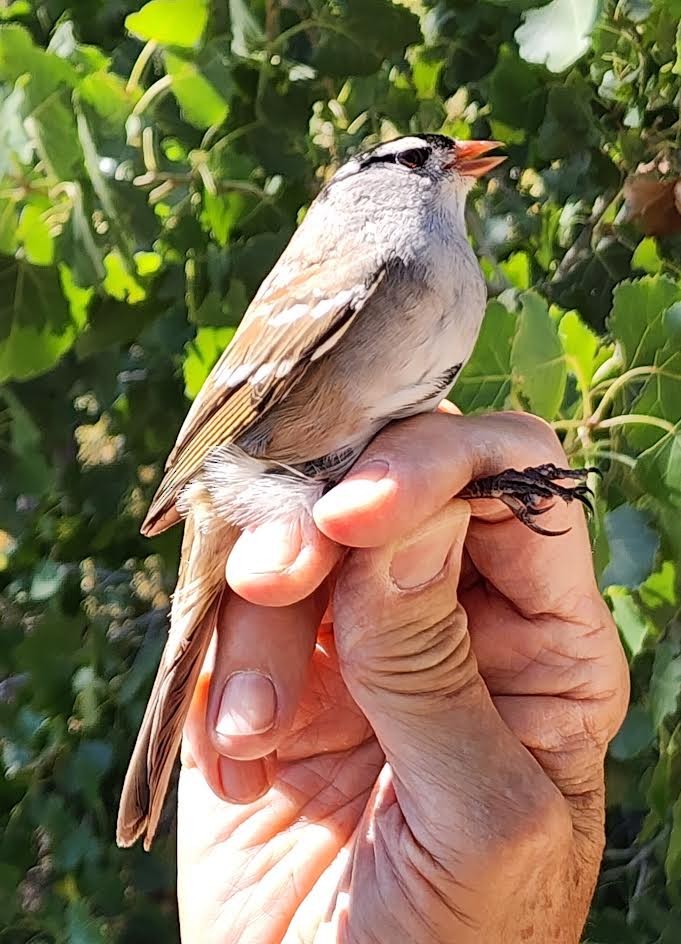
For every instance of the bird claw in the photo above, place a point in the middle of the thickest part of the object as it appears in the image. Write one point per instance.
(525, 493)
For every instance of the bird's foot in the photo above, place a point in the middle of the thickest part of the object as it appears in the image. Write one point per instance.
(525, 493)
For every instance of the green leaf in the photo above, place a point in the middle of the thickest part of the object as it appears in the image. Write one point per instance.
(30, 468)
(355, 46)
(36, 324)
(25, 433)
(633, 547)
(647, 256)
(661, 392)
(634, 627)
(636, 319)
(558, 34)
(81, 928)
(56, 138)
(660, 587)
(87, 766)
(485, 382)
(44, 83)
(426, 67)
(34, 233)
(672, 864)
(608, 926)
(108, 95)
(16, 146)
(104, 192)
(203, 86)
(202, 354)
(20, 56)
(49, 653)
(538, 359)
(635, 736)
(222, 212)
(517, 94)
(581, 346)
(78, 243)
(112, 323)
(118, 281)
(8, 227)
(568, 124)
(665, 683)
(170, 22)
(659, 470)
(517, 270)
(15, 8)
(676, 68)
(47, 580)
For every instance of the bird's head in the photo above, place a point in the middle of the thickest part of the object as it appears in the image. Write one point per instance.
(432, 170)
(433, 158)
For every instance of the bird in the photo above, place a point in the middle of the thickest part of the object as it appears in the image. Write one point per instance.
(369, 316)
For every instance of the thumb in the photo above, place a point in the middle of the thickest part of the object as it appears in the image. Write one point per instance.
(401, 634)
(405, 654)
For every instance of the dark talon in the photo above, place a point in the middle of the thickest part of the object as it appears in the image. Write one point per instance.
(521, 492)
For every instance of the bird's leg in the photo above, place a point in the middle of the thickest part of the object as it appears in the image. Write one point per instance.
(525, 493)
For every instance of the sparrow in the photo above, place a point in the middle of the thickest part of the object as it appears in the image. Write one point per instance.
(368, 316)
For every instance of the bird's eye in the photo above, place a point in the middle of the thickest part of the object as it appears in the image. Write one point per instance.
(414, 157)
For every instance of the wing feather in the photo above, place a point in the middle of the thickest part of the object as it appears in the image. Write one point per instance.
(295, 317)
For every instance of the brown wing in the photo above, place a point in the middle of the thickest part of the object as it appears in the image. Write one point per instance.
(296, 317)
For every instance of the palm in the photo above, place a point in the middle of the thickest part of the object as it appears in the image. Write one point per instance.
(289, 842)
(277, 849)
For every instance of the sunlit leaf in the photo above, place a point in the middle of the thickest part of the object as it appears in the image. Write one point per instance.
(201, 355)
(485, 382)
(580, 344)
(203, 85)
(538, 359)
(637, 316)
(170, 22)
(634, 627)
(557, 34)
(36, 324)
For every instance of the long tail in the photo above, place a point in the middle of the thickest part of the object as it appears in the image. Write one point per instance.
(200, 585)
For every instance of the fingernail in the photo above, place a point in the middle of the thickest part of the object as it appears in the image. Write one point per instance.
(420, 559)
(243, 781)
(271, 547)
(248, 705)
(357, 489)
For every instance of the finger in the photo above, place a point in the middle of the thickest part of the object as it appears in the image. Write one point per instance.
(281, 562)
(414, 467)
(405, 655)
(558, 661)
(246, 702)
(398, 624)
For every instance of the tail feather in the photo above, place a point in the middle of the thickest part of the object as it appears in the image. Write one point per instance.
(200, 585)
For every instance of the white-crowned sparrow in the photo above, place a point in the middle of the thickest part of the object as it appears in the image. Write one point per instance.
(368, 316)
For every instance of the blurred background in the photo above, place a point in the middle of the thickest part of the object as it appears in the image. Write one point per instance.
(154, 160)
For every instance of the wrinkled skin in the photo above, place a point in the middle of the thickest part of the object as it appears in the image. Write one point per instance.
(440, 737)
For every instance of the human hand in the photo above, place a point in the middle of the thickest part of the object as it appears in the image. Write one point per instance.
(439, 750)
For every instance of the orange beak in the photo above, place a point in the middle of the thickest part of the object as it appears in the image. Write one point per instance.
(468, 159)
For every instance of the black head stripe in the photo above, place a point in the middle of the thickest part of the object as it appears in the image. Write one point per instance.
(371, 158)
(438, 140)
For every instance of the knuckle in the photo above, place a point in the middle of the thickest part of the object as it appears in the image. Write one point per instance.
(401, 641)
(540, 431)
(541, 827)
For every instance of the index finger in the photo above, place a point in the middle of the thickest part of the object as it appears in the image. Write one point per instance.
(415, 467)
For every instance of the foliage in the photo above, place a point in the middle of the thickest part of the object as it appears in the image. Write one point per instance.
(154, 160)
